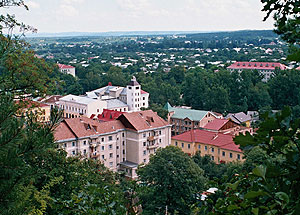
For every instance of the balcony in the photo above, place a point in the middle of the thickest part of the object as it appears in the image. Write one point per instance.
(151, 138)
(152, 146)
(95, 155)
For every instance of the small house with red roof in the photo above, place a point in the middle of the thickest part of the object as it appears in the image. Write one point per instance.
(41, 110)
(219, 146)
(265, 68)
(66, 69)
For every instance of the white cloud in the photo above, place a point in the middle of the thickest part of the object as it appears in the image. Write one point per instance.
(32, 4)
(134, 8)
(67, 10)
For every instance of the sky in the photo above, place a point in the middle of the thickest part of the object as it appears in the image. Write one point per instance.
(52, 16)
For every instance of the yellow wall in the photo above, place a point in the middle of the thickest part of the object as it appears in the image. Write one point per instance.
(205, 149)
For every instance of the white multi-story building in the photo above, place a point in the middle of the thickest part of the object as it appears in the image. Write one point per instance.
(66, 69)
(132, 95)
(77, 106)
(121, 145)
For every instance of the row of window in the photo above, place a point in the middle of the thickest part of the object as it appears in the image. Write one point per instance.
(212, 150)
(74, 109)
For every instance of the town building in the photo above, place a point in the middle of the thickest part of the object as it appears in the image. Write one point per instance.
(265, 68)
(227, 126)
(42, 111)
(184, 119)
(120, 144)
(240, 118)
(220, 147)
(107, 115)
(67, 69)
(132, 95)
(77, 106)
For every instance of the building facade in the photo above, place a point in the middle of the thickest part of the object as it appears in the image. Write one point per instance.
(183, 119)
(67, 69)
(120, 144)
(266, 69)
(220, 147)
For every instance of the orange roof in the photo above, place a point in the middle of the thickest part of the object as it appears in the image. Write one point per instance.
(63, 66)
(144, 92)
(216, 124)
(83, 127)
(142, 120)
(31, 104)
(224, 141)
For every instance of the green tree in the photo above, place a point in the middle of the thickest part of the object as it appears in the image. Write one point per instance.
(171, 181)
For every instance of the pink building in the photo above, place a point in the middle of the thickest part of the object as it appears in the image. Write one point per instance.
(121, 144)
(265, 68)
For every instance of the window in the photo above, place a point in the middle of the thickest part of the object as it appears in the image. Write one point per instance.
(189, 146)
(212, 158)
(144, 143)
(123, 135)
(84, 151)
(102, 147)
(73, 152)
(97, 110)
(65, 145)
(159, 132)
(205, 148)
(110, 146)
(110, 155)
(182, 145)
(123, 143)
(102, 139)
(73, 144)
(117, 147)
(238, 156)
(84, 142)
(176, 144)
(110, 138)
(145, 160)
(118, 156)
(145, 152)
(123, 152)
(144, 135)
(223, 154)
(212, 149)
(199, 146)
(230, 155)
(103, 157)
(111, 164)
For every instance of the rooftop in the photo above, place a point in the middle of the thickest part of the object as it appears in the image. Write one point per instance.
(63, 66)
(78, 99)
(257, 65)
(224, 141)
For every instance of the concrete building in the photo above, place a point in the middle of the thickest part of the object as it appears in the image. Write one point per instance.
(66, 69)
(77, 106)
(183, 119)
(121, 144)
(41, 110)
(265, 68)
(219, 146)
(132, 95)
(240, 118)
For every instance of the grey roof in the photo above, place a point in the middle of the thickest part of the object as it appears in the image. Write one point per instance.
(115, 103)
(124, 91)
(238, 117)
(77, 99)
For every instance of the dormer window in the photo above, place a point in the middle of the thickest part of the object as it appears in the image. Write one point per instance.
(267, 65)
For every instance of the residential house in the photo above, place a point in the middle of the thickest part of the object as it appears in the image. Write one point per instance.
(240, 118)
(41, 110)
(66, 69)
(219, 146)
(183, 119)
(265, 68)
(121, 144)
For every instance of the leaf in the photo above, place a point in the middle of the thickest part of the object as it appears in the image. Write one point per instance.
(234, 185)
(260, 171)
(254, 194)
(232, 207)
(283, 197)
(255, 211)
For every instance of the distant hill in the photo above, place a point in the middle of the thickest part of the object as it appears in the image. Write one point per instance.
(112, 33)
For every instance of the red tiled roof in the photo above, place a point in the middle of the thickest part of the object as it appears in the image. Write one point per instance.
(257, 65)
(53, 99)
(63, 66)
(142, 120)
(83, 127)
(144, 92)
(216, 124)
(298, 68)
(224, 141)
(108, 115)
